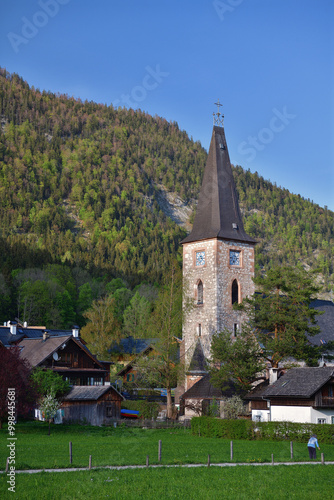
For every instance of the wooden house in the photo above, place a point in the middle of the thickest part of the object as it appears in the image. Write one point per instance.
(95, 405)
(300, 395)
(67, 356)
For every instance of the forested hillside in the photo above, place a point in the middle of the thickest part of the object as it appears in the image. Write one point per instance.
(80, 204)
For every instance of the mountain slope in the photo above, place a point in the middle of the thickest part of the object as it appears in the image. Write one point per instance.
(112, 191)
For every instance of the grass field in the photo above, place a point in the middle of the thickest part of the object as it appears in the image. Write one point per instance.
(130, 446)
(240, 482)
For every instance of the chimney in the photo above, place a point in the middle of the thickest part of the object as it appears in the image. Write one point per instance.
(45, 335)
(273, 372)
(12, 326)
(75, 331)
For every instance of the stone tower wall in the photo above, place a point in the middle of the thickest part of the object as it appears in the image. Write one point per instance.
(217, 276)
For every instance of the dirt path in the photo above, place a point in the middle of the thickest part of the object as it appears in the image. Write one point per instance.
(155, 466)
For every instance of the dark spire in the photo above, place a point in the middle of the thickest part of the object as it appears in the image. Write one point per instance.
(198, 364)
(218, 213)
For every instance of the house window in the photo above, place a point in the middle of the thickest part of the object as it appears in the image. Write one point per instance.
(330, 391)
(75, 359)
(200, 293)
(332, 419)
(322, 420)
(111, 410)
(235, 329)
(235, 292)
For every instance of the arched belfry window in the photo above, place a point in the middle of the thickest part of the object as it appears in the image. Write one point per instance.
(235, 292)
(200, 292)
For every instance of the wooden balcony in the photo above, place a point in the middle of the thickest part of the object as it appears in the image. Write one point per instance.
(324, 401)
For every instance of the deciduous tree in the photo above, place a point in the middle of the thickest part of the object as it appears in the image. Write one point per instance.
(102, 328)
(14, 374)
(162, 367)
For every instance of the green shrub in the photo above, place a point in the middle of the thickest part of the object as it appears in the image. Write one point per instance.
(264, 431)
(215, 427)
(294, 431)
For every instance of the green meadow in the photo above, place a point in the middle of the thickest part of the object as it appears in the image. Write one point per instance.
(35, 449)
(130, 446)
(239, 482)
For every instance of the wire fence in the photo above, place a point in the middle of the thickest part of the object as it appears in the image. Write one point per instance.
(139, 448)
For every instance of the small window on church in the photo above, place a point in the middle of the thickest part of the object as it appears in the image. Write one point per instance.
(200, 292)
(235, 292)
(235, 329)
(199, 329)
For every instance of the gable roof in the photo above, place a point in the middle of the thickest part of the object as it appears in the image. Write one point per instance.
(218, 214)
(35, 351)
(123, 371)
(324, 321)
(130, 345)
(89, 392)
(9, 339)
(300, 382)
(203, 389)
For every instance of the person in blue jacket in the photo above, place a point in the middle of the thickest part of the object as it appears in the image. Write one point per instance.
(312, 443)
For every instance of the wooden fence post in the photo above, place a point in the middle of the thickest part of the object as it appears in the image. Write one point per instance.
(147, 460)
(291, 449)
(70, 447)
(231, 451)
(7, 465)
(272, 459)
(159, 452)
(209, 461)
(90, 462)
(322, 459)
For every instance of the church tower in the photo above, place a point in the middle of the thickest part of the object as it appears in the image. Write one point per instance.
(218, 259)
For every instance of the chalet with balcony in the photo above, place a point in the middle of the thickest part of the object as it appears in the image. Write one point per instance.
(66, 355)
(300, 395)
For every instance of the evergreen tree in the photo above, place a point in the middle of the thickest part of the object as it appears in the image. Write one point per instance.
(237, 360)
(281, 315)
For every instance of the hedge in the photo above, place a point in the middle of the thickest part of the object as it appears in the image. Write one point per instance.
(265, 431)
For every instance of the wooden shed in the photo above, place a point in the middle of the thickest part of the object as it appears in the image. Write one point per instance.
(95, 405)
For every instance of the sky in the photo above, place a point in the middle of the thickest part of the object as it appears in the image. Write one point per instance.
(269, 62)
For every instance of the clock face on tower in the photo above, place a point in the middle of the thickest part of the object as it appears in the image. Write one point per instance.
(200, 258)
(234, 258)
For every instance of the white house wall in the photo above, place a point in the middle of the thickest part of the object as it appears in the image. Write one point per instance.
(303, 414)
(328, 414)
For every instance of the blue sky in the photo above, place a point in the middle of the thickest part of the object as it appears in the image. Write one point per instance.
(270, 62)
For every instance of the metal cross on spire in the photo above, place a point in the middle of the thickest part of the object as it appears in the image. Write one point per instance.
(218, 118)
